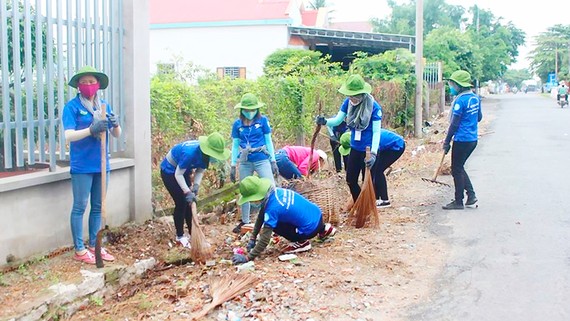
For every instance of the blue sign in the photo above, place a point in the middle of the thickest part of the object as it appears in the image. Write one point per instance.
(551, 77)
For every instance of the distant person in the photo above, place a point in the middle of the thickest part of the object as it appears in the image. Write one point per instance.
(562, 92)
(293, 161)
(337, 132)
(463, 129)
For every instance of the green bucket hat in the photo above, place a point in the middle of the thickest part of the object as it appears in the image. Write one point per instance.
(253, 188)
(344, 147)
(214, 145)
(249, 101)
(88, 70)
(462, 78)
(355, 85)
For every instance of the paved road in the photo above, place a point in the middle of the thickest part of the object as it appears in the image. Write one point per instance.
(510, 258)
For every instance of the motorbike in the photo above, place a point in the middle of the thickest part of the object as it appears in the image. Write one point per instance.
(563, 101)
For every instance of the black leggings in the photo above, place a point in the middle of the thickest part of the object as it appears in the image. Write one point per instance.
(289, 231)
(383, 161)
(459, 155)
(354, 166)
(337, 157)
(182, 210)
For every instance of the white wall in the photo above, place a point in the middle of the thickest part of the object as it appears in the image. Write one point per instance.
(212, 47)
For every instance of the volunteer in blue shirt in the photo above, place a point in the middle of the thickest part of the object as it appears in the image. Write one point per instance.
(252, 145)
(465, 116)
(335, 134)
(283, 212)
(83, 125)
(391, 148)
(363, 116)
(182, 160)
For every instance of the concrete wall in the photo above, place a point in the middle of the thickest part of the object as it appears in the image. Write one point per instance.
(35, 208)
(219, 46)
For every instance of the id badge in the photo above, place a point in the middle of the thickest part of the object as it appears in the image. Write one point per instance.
(357, 135)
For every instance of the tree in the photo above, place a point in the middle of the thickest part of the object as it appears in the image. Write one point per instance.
(316, 4)
(551, 50)
(515, 77)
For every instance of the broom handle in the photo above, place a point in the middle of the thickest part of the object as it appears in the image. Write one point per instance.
(103, 168)
(438, 168)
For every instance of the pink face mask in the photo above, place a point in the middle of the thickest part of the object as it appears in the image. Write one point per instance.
(88, 90)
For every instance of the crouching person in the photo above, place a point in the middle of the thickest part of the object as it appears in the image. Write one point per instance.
(283, 212)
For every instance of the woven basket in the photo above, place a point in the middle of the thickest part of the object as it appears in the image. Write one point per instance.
(328, 194)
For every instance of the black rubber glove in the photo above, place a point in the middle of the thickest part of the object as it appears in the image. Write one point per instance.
(321, 120)
(190, 197)
(446, 148)
(97, 127)
(239, 259)
(113, 120)
(250, 245)
(370, 162)
(275, 169)
(233, 174)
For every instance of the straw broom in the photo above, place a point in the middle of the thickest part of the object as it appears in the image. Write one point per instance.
(365, 206)
(224, 289)
(200, 249)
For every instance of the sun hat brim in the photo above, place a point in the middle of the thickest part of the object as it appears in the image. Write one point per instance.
(343, 150)
(240, 106)
(347, 92)
(264, 186)
(101, 77)
(206, 149)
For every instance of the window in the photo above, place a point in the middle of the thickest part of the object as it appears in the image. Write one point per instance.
(231, 72)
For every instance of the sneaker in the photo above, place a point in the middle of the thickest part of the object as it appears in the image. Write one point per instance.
(329, 231)
(297, 247)
(183, 241)
(86, 257)
(453, 206)
(104, 254)
(471, 202)
(237, 229)
(382, 204)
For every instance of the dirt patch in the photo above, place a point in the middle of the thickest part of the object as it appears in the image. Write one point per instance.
(366, 274)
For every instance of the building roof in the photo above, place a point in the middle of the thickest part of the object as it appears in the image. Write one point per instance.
(181, 11)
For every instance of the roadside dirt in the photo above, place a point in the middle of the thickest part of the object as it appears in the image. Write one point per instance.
(361, 274)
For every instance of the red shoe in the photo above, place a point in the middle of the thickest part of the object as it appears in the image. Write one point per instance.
(297, 247)
(329, 231)
(86, 257)
(104, 254)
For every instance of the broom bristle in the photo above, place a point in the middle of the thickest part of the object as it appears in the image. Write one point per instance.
(364, 209)
(200, 249)
(226, 288)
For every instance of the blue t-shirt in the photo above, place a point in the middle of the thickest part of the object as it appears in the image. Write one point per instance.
(187, 155)
(467, 106)
(84, 154)
(366, 134)
(390, 141)
(287, 206)
(252, 136)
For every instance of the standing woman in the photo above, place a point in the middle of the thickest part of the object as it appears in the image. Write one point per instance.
(83, 124)
(182, 160)
(463, 129)
(363, 116)
(253, 146)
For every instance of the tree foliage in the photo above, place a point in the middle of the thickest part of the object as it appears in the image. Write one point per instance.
(551, 46)
(515, 77)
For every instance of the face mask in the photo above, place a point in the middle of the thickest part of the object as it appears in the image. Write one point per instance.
(214, 160)
(88, 90)
(453, 91)
(249, 114)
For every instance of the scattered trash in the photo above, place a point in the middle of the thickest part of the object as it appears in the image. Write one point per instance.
(211, 263)
(287, 257)
(249, 266)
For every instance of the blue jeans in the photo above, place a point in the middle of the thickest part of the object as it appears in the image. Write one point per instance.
(84, 185)
(263, 169)
(287, 168)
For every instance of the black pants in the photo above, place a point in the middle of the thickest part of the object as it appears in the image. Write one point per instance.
(355, 166)
(182, 210)
(383, 161)
(459, 155)
(337, 157)
(289, 231)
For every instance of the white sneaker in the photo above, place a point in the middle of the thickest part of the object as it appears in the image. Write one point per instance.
(183, 241)
(382, 204)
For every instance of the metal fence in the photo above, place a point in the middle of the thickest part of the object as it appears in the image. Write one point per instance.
(42, 44)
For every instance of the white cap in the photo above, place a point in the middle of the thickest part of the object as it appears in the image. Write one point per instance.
(322, 154)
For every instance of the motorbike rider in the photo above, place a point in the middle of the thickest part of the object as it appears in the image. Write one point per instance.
(562, 92)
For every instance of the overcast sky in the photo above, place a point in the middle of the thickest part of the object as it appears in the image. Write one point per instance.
(532, 18)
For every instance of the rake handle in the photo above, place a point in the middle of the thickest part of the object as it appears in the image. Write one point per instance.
(438, 168)
(98, 243)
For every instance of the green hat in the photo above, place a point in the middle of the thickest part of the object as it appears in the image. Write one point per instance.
(253, 188)
(214, 145)
(344, 147)
(249, 101)
(462, 78)
(88, 70)
(355, 85)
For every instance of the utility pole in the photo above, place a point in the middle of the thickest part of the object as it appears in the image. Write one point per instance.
(419, 67)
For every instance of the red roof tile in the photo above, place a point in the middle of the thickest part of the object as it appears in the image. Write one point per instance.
(178, 11)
